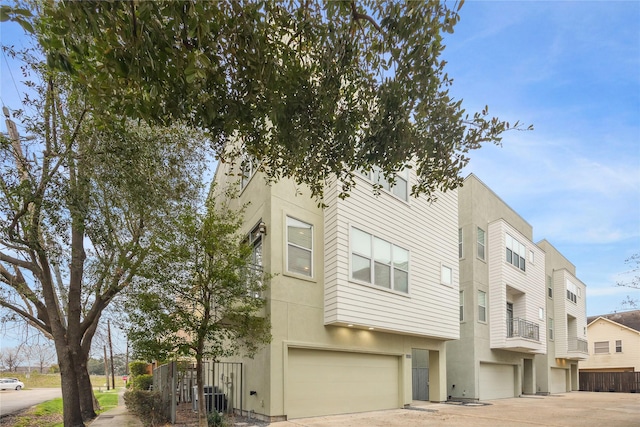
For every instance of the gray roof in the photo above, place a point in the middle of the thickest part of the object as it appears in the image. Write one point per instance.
(630, 319)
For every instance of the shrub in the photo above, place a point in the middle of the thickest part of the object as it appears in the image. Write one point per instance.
(142, 382)
(147, 406)
(216, 419)
(137, 368)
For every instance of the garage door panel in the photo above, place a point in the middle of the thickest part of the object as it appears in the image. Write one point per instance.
(558, 380)
(496, 381)
(329, 382)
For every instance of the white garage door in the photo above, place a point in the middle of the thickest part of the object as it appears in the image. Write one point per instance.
(330, 382)
(496, 381)
(558, 381)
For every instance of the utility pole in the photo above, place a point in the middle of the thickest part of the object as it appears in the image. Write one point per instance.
(106, 366)
(113, 376)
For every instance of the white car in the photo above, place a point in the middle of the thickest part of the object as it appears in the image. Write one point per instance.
(10, 384)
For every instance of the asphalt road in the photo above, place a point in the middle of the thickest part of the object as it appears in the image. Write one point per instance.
(12, 400)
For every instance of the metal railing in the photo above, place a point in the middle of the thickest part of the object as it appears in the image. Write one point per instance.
(523, 328)
(578, 344)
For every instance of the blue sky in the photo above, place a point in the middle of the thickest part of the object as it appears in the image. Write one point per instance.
(572, 69)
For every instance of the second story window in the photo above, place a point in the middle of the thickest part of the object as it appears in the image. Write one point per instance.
(481, 243)
(459, 242)
(618, 346)
(572, 292)
(601, 347)
(299, 247)
(482, 306)
(376, 261)
(516, 253)
(461, 306)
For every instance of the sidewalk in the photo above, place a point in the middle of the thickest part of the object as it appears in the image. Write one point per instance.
(118, 416)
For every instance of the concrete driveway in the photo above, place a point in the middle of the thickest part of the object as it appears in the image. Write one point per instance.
(576, 409)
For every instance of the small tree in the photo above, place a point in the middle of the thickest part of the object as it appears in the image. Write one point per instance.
(205, 302)
(632, 280)
(11, 358)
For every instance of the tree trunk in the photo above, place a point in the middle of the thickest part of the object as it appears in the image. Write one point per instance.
(72, 416)
(88, 402)
(202, 408)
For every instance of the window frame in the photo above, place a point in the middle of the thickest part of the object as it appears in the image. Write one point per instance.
(515, 251)
(551, 328)
(460, 244)
(248, 168)
(461, 303)
(376, 177)
(371, 257)
(483, 307)
(618, 346)
(444, 268)
(572, 292)
(289, 244)
(599, 347)
(481, 244)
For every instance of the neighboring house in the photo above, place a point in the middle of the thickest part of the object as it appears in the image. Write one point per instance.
(364, 297)
(557, 371)
(502, 300)
(614, 343)
(522, 309)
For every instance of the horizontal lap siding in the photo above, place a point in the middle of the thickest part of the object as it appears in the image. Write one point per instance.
(429, 232)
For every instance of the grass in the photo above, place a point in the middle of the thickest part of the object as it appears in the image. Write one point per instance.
(37, 380)
(49, 414)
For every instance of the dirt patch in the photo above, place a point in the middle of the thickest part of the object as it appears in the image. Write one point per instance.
(27, 418)
(187, 417)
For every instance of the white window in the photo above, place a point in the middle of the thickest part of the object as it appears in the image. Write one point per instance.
(482, 306)
(618, 346)
(572, 292)
(377, 261)
(254, 239)
(248, 168)
(459, 242)
(446, 275)
(541, 313)
(400, 187)
(531, 257)
(481, 243)
(550, 328)
(550, 287)
(299, 247)
(601, 347)
(461, 306)
(516, 252)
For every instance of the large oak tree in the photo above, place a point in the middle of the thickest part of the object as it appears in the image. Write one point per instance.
(313, 89)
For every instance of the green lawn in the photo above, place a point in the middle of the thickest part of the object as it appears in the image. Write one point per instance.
(37, 380)
(49, 414)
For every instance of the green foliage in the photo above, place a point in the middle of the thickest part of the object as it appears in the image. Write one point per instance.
(314, 90)
(147, 405)
(142, 382)
(138, 367)
(204, 300)
(216, 419)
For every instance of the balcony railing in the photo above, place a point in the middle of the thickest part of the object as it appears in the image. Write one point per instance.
(578, 344)
(523, 328)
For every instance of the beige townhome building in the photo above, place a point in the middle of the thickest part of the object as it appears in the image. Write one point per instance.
(513, 332)
(567, 345)
(364, 297)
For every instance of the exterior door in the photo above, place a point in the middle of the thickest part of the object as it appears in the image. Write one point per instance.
(420, 374)
(509, 320)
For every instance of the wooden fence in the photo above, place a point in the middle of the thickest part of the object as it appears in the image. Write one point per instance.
(624, 382)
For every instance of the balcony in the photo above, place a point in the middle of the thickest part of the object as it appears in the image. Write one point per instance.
(523, 328)
(522, 336)
(578, 349)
